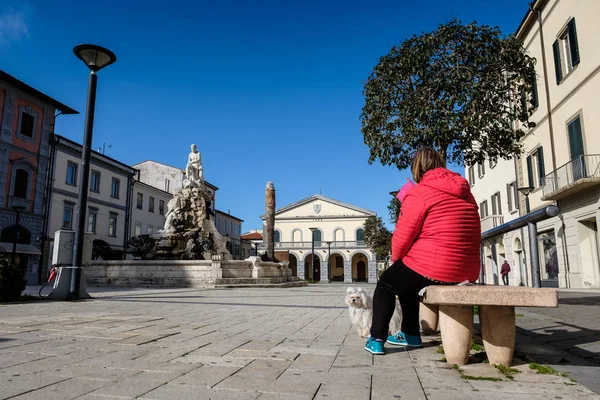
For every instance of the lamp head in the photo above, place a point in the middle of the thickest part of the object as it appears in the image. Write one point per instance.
(95, 57)
(526, 190)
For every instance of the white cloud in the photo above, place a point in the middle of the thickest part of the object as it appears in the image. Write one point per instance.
(13, 25)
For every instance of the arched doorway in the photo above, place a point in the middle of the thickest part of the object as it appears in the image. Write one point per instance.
(293, 265)
(336, 268)
(312, 273)
(360, 272)
(518, 250)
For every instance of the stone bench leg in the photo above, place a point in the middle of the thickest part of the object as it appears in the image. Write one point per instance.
(428, 314)
(498, 333)
(456, 325)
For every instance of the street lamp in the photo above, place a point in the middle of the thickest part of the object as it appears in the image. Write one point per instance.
(312, 257)
(329, 262)
(95, 58)
(18, 210)
(525, 191)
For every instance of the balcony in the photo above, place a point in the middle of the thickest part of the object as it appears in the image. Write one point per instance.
(578, 174)
(491, 222)
(318, 245)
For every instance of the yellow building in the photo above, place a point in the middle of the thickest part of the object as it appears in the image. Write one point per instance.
(338, 237)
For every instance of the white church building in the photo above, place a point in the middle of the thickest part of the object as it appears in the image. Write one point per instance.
(338, 232)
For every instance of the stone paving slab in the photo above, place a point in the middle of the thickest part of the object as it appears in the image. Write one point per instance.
(265, 344)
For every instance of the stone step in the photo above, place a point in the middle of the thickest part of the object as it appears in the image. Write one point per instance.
(264, 285)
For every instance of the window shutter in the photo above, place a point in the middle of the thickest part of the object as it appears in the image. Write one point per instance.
(573, 42)
(541, 169)
(509, 196)
(534, 94)
(557, 62)
(530, 171)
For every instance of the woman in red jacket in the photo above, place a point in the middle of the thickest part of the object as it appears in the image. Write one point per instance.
(436, 241)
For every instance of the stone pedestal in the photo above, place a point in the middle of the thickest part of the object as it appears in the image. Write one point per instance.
(498, 333)
(456, 324)
(428, 314)
(348, 271)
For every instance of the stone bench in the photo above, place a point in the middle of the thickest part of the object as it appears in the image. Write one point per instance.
(496, 316)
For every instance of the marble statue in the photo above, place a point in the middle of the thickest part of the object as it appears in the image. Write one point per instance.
(193, 169)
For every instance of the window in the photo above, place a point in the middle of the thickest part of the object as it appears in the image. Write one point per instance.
(21, 184)
(68, 218)
(496, 204)
(112, 225)
(150, 229)
(481, 169)
(71, 173)
(535, 168)
(317, 237)
(115, 187)
(161, 207)
(27, 124)
(277, 237)
(231, 227)
(360, 236)
(151, 204)
(483, 209)
(471, 176)
(511, 196)
(140, 201)
(167, 185)
(138, 229)
(95, 182)
(566, 51)
(92, 216)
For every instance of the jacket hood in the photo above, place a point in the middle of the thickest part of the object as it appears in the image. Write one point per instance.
(448, 182)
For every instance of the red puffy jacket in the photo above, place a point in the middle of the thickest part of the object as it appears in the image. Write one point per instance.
(438, 231)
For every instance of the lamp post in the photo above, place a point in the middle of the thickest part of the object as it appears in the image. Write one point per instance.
(18, 210)
(312, 257)
(329, 262)
(95, 58)
(525, 191)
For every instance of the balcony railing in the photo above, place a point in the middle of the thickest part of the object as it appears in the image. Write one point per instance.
(581, 172)
(491, 222)
(318, 245)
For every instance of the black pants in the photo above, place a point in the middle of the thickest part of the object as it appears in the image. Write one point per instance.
(505, 279)
(406, 283)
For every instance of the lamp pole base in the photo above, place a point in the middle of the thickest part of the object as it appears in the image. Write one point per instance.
(62, 286)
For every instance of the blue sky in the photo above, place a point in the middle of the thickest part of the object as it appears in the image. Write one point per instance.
(268, 90)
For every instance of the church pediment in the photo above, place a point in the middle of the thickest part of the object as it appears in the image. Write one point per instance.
(319, 206)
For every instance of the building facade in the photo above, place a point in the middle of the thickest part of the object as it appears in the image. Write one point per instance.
(494, 186)
(231, 228)
(109, 197)
(148, 209)
(251, 240)
(336, 230)
(561, 163)
(27, 117)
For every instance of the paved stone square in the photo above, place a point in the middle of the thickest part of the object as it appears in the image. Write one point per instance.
(249, 343)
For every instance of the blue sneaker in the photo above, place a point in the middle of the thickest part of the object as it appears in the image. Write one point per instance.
(374, 346)
(400, 339)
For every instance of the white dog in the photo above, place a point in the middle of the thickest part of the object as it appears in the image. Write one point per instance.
(360, 308)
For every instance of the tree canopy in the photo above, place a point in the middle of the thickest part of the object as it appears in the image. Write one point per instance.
(458, 89)
(377, 237)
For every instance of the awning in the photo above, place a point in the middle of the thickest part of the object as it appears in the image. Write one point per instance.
(6, 247)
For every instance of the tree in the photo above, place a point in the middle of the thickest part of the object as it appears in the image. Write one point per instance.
(460, 89)
(377, 237)
(394, 210)
(100, 248)
(141, 246)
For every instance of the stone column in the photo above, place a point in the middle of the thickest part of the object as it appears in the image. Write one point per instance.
(372, 271)
(348, 271)
(217, 272)
(269, 236)
(324, 269)
(300, 268)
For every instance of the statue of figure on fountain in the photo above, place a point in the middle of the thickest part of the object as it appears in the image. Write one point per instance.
(189, 233)
(193, 169)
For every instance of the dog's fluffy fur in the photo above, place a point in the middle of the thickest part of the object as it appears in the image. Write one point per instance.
(360, 308)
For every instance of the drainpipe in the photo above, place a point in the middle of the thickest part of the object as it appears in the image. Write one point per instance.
(47, 203)
(546, 82)
(128, 212)
(565, 252)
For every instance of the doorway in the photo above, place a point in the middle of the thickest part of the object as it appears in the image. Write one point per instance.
(588, 249)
